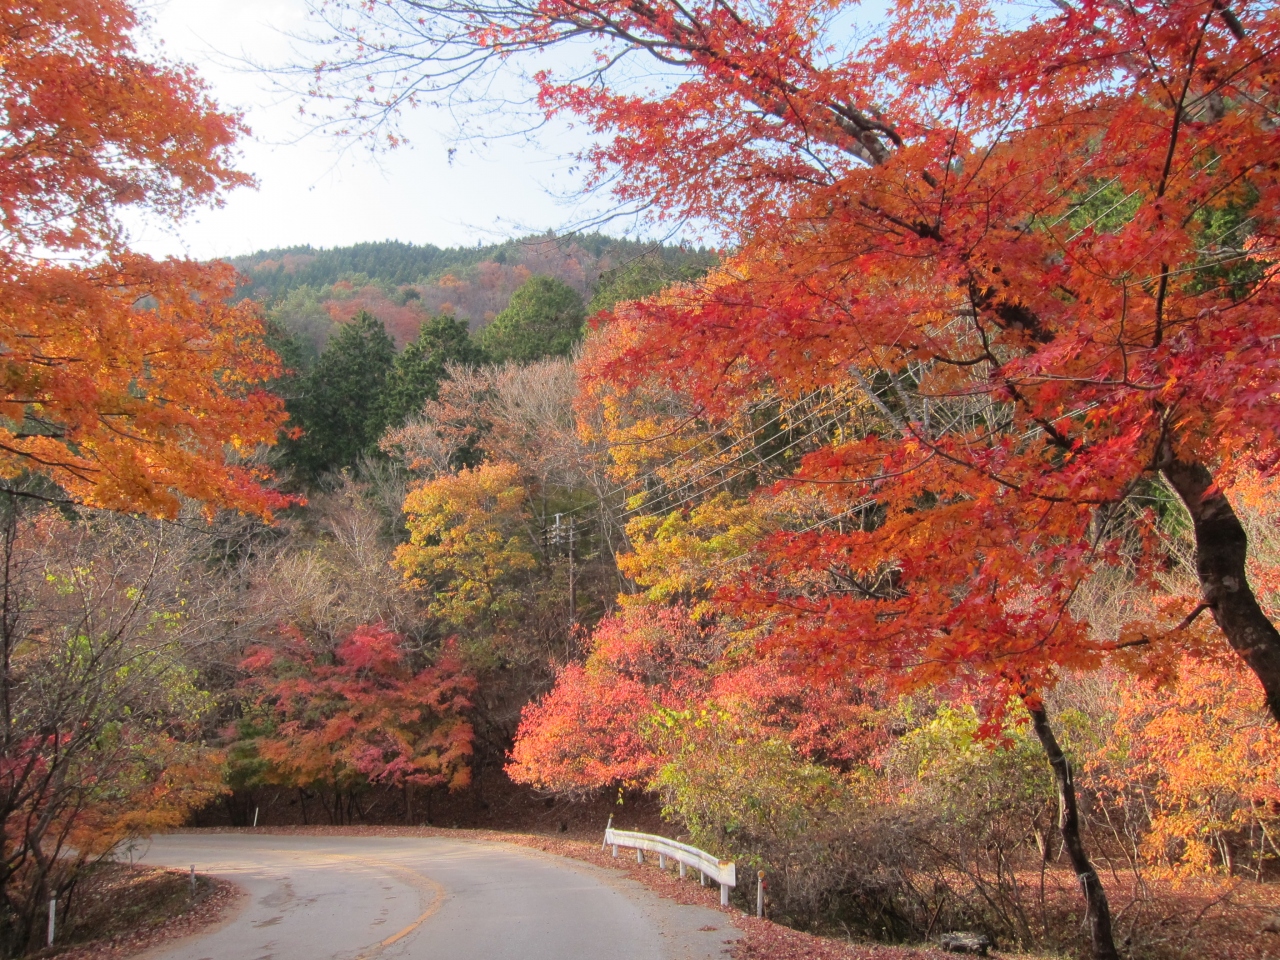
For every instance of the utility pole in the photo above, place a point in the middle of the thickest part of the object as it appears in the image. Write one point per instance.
(568, 534)
(573, 592)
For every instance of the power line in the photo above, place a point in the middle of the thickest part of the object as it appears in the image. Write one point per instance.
(738, 473)
(655, 470)
(742, 456)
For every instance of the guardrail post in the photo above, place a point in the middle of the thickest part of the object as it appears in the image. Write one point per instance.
(615, 849)
(662, 861)
(702, 879)
(681, 869)
(639, 855)
(760, 895)
(724, 894)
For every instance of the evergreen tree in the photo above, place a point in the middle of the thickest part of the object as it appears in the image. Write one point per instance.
(340, 406)
(544, 319)
(646, 275)
(419, 368)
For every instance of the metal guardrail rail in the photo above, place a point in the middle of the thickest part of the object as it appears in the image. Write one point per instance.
(724, 872)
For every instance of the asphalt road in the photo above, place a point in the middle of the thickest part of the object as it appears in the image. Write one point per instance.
(393, 898)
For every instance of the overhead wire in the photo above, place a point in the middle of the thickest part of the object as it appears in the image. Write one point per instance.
(654, 472)
(703, 491)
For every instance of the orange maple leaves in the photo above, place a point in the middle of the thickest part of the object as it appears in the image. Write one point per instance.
(124, 380)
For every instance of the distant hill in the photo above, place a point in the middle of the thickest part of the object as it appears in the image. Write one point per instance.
(309, 290)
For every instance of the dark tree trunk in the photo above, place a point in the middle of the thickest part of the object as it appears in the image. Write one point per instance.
(1097, 910)
(1221, 550)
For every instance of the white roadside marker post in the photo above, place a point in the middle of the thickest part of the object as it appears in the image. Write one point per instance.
(53, 914)
(255, 816)
(193, 880)
(760, 895)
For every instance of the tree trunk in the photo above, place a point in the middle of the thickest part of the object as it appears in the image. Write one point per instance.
(1097, 910)
(1221, 550)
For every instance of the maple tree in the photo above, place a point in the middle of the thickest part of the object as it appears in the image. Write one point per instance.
(126, 378)
(360, 714)
(130, 384)
(917, 211)
(652, 673)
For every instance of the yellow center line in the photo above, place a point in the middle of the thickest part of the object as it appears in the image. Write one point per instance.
(419, 880)
(435, 905)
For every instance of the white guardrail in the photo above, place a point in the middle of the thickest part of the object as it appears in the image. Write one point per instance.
(724, 872)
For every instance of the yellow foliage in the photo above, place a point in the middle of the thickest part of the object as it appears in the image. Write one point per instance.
(689, 552)
(469, 540)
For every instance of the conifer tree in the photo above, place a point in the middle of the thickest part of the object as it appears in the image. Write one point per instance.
(544, 319)
(340, 407)
(419, 368)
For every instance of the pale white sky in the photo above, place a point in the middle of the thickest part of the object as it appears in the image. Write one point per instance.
(311, 192)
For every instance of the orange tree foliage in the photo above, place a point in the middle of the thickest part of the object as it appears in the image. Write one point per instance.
(1202, 759)
(1038, 361)
(124, 379)
(361, 714)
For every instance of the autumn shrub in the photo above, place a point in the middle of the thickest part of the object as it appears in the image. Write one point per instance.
(756, 799)
(103, 715)
(1193, 767)
(336, 721)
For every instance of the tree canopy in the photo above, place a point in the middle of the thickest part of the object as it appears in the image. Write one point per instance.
(544, 319)
(340, 403)
(419, 368)
(127, 380)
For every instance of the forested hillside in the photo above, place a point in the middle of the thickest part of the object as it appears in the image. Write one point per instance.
(309, 291)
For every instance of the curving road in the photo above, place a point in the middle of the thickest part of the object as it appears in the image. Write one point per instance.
(402, 898)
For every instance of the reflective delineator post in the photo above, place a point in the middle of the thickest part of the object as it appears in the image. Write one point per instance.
(53, 914)
(760, 895)
(255, 816)
(193, 880)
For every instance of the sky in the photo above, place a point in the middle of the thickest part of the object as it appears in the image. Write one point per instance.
(311, 190)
